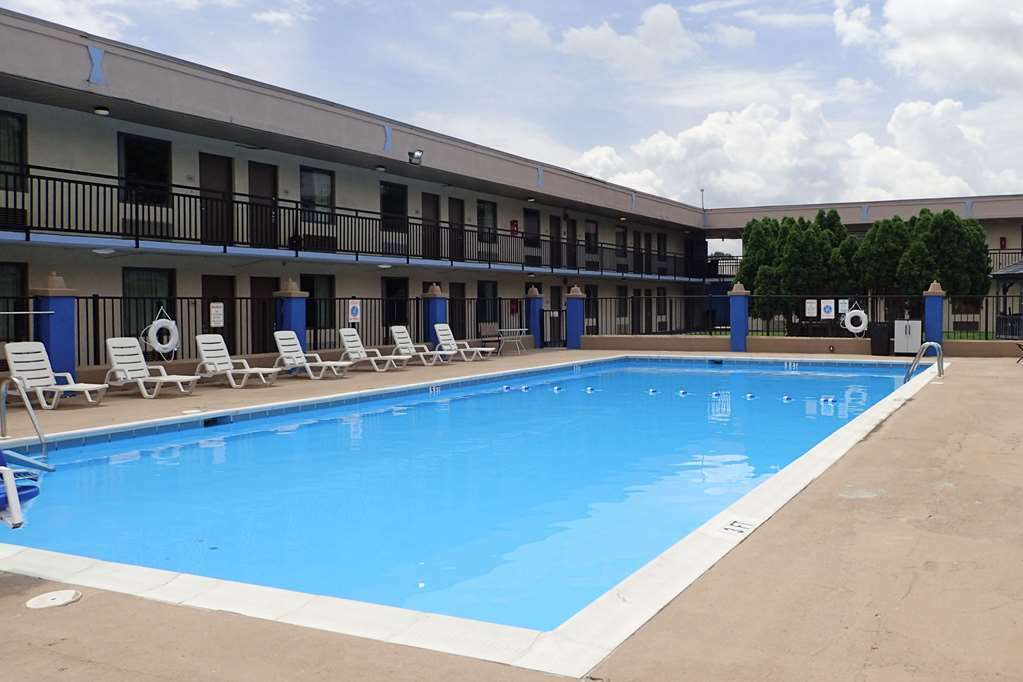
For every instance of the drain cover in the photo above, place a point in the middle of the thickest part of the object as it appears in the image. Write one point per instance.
(58, 598)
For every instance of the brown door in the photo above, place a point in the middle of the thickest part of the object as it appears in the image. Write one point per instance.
(218, 307)
(648, 253)
(554, 224)
(457, 309)
(637, 251)
(263, 231)
(262, 315)
(571, 245)
(456, 231)
(531, 236)
(431, 225)
(216, 195)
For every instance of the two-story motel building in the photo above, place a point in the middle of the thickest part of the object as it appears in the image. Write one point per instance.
(145, 180)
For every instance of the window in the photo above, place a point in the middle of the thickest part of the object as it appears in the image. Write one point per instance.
(621, 301)
(621, 242)
(145, 169)
(591, 236)
(662, 301)
(393, 207)
(13, 298)
(319, 307)
(486, 220)
(144, 292)
(662, 246)
(316, 188)
(13, 155)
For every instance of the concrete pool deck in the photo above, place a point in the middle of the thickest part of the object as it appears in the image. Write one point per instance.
(900, 562)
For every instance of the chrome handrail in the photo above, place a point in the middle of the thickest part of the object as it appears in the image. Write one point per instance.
(28, 407)
(920, 354)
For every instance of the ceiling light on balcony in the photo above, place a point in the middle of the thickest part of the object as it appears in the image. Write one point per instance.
(622, 219)
(385, 266)
(531, 199)
(104, 252)
(380, 168)
(101, 111)
(416, 157)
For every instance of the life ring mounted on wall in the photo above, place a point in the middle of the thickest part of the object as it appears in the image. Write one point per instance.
(856, 321)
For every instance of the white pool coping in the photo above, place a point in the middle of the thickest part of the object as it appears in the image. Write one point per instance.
(572, 649)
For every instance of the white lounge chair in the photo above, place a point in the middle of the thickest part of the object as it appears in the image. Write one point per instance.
(29, 363)
(446, 342)
(291, 356)
(128, 366)
(216, 361)
(355, 352)
(403, 345)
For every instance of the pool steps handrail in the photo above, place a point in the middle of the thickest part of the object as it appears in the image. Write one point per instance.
(919, 356)
(36, 463)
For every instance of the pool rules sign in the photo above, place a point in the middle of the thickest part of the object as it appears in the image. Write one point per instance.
(354, 310)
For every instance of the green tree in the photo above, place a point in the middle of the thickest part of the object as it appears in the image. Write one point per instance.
(831, 223)
(806, 259)
(916, 268)
(959, 251)
(760, 247)
(878, 255)
(845, 273)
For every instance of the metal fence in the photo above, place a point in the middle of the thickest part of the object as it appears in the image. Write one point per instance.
(984, 317)
(639, 315)
(823, 316)
(326, 316)
(478, 318)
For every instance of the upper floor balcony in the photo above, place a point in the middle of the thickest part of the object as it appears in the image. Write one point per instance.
(37, 199)
(1003, 258)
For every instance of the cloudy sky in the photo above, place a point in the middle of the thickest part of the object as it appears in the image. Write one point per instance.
(757, 101)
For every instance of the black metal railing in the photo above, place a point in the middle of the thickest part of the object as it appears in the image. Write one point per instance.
(247, 324)
(984, 317)
(552, 325)
(823, 315)
(640, 315)
(481, 318)
(40, 198)
(1003, 258)
(722, 267)
(326, 316)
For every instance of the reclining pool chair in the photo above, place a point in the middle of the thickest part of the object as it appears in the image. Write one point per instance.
(216, 361)
(128, 366)
(291, 356)
(30, 364)
(403, 345)
(446, 342)
(355, 352)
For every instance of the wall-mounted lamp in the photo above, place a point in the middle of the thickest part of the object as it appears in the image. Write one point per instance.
(101, 111)
(416, 157)
(380, 169)
(531, 199)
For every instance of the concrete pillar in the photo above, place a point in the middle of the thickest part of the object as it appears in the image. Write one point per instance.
(534, 315)
(435, 311)
(289, 304)
(738, 312)
(55, 328)
(934, 314)
(575, 318)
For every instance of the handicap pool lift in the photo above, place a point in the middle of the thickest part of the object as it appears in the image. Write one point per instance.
(20, 485)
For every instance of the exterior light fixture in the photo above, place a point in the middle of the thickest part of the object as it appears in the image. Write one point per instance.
(531, 199)
(380, 169)
(101, 111)
(384, 266)
(103, 252)
(416, 157)
(622, 219)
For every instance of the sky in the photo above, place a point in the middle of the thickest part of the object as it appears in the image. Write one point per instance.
(754, 101)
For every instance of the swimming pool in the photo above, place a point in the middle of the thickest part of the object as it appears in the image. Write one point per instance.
(516, 500)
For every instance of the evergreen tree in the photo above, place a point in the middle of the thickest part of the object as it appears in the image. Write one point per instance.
(878, 255)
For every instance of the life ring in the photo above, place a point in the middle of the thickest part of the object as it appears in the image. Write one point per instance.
(153, 336)
(856, 321)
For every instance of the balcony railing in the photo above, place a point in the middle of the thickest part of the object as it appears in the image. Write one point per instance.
(1003, 258)
(37, 198)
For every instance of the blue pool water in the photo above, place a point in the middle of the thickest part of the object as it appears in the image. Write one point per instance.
(510, 506)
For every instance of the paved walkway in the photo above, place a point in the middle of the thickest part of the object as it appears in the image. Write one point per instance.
(901, 562)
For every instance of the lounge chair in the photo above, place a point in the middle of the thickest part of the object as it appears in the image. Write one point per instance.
(355, 352)
(216, 361)
(29, 363)
(128, 366)
(291, 356)
(446, 342)
(403, 345)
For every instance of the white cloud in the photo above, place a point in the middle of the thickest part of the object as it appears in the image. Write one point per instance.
(99, 17)
(711, 6)
(517, 26)
(852, 24)
(660, 38)
(732, 36)
(785, 19)
(276, 17)
(850, 90)
(714, 88)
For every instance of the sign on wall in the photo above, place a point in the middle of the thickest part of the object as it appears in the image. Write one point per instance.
(828, 309)
(811, 308)
(843, 306)
(216, 314)
(354, 310)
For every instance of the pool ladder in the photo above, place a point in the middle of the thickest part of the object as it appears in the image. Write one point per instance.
(33, 462)
(919, 356)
